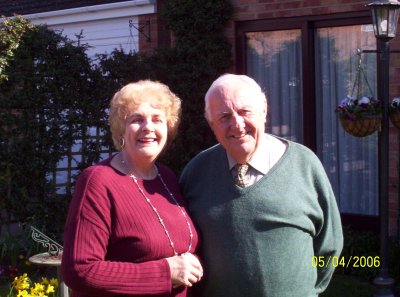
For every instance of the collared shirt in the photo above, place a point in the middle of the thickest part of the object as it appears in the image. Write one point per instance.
(270, 150)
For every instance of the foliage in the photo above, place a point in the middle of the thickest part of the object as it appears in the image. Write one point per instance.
(201, 53)
(48, 101)
(23, 286)
(357, 243)
(352, 108)
(14, 252)
(348, 286)
(11, 33)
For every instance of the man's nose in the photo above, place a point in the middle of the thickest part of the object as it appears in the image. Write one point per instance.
(237, 121)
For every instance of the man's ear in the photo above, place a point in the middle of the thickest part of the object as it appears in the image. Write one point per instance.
(208, 120)
(265, 111)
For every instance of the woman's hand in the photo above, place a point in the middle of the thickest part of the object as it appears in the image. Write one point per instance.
(185, 270)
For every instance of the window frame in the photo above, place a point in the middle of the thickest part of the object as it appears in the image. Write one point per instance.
(307, 25)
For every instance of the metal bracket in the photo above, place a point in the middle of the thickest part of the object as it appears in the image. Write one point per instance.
(141, 29)
(54, 249)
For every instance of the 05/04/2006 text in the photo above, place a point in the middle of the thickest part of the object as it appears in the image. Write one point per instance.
(351, 261)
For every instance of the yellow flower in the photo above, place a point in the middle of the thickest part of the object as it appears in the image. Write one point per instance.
(23, 293)
(50, 289)
(54, 282)
(44, 281)
(38, 290)
(21, 282)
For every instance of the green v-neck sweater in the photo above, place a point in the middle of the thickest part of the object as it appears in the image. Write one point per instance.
(259, 241)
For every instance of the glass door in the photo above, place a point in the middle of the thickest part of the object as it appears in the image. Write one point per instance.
(351, 162)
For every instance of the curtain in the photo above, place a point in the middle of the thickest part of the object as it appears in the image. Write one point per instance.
(274, 61)
(350, 162)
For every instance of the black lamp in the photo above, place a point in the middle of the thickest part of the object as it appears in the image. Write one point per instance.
(385, 16)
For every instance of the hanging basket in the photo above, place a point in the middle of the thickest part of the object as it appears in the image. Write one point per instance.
(363, 126)
(360, 115)
(395, 118)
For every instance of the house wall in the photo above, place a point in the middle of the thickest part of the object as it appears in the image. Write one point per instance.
(155, 35)
(275, 9)
(103, 25)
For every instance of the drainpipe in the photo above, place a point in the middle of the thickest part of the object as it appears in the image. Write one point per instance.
(398, 191)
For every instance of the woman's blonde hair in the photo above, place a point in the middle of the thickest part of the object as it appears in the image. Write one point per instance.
(129, 97)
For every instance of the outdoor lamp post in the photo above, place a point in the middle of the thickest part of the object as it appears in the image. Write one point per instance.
(385, 15)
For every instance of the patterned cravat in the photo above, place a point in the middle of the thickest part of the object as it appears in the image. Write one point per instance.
(240, 177)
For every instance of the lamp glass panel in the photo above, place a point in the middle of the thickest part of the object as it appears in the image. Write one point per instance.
(382, 17)
(393, 20)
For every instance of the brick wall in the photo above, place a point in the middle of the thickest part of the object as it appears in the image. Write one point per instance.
(160, 36)
(274, 9)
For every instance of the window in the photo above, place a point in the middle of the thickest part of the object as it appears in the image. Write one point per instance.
(269, 53)
(306, 67)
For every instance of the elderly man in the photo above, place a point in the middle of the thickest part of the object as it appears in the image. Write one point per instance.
(264, 205)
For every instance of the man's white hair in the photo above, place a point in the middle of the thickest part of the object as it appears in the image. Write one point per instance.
(228, 79)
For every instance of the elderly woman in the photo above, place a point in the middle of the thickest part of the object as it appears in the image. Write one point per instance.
(127, 231)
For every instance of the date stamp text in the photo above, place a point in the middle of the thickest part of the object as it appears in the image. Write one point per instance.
(346, 262)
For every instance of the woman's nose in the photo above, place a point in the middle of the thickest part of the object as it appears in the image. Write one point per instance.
(148, 125)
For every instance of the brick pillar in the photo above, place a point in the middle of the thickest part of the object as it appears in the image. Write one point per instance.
(155, 27)
(394, 140)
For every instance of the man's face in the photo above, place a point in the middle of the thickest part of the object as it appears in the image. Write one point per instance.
(237, 119)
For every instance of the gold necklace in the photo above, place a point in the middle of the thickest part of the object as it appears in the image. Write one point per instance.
(171, 243)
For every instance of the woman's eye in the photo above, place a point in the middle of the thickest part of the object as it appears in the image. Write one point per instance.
(136, 120)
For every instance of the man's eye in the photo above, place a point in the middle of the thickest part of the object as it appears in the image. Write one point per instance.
(225, 117)
(245, 113)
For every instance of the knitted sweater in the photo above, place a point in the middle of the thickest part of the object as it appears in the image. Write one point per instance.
(259, 241)
(114, 244)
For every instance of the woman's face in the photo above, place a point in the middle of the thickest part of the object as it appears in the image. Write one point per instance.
(145, 132)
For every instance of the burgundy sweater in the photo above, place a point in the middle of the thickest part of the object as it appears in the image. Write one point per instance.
(114, 243)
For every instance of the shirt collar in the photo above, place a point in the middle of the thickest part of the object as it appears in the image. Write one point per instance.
(258, 160)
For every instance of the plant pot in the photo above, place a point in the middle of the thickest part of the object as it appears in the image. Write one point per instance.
(363, 126)
(395, 118)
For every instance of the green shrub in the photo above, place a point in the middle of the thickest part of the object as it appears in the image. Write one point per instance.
(48, 97)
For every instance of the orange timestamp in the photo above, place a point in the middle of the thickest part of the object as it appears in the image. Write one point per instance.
(346, 262)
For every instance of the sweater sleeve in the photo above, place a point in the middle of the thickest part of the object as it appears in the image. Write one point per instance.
(328, 241)
(85, 267)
